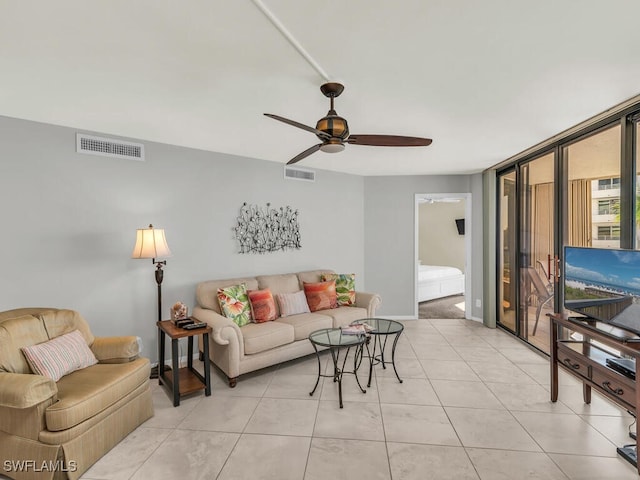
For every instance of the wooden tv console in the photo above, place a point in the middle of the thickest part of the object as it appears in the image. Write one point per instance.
(587, 361)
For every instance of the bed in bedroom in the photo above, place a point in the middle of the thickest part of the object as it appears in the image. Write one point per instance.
(438, 281)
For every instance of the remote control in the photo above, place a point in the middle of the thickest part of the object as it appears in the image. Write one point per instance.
(193, 326)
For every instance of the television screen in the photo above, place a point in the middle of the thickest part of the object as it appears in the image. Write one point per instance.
(603, 284)
(460, 225)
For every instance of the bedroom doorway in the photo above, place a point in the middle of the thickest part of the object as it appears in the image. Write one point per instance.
(442, 255)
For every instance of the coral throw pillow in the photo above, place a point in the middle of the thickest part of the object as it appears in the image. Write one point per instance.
(234, 304)
(345, 287)
(292, 303)
(321, 295)
(60, 356)
(263, 307)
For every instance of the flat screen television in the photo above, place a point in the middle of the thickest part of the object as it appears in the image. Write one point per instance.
(604, 284)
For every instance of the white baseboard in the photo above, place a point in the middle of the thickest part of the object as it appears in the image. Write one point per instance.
(397, 317)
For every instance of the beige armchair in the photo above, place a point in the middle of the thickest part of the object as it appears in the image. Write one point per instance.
(57, 430)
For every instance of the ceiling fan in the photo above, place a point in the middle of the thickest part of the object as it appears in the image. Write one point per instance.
(333, 131)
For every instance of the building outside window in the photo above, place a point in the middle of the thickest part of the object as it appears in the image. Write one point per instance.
(608, 207)
(605, 216)
(609, 183)
(609, 232)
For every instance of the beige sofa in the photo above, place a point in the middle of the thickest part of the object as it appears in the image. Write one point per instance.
(238, 350)
(59, 429)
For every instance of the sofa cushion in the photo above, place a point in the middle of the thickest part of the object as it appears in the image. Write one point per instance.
(58, 322)
(321, 295)
(292, 303)
(344, 315)
(345, 287)
(60, 356)
(259, 337)
(263, 306)
(21, 312)
(305, 323)
(311, 276)
(84, 393)
(207, 292)
(286, 283)
(234, 304)
(16, 333)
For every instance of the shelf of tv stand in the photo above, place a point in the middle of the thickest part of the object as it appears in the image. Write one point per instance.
(586, 361)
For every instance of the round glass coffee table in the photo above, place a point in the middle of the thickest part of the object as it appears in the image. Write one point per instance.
(335, 341)
(382, 329)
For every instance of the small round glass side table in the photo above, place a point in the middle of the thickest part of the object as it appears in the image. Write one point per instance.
(382, 329)
(335, 340)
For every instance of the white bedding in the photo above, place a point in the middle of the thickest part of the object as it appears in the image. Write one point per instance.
(433, 272)
(436, 281)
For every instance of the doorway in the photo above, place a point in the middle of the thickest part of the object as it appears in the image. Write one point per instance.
(443, 250)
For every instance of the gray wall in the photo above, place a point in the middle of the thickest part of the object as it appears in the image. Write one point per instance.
(389, 242)
(69, 221)
(438, 240)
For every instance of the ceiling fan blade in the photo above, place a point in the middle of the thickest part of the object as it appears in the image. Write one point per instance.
(304, 154)
(388, 141)
(299, 125)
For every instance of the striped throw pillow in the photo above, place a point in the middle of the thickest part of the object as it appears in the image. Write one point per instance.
(60, 356)
(292, 303)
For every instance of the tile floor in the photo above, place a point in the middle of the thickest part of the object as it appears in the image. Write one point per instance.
(474, 405)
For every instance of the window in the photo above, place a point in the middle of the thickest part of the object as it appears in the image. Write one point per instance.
(609, 232)
(608, 207)
(609, 183)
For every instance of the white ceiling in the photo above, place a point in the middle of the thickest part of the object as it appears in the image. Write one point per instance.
(485, 80)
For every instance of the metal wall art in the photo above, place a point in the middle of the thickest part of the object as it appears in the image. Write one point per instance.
(266, 229)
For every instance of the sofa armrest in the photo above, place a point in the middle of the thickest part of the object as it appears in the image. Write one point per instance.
(223, 328)
(370, 301)
(24, 390)
(115, 349)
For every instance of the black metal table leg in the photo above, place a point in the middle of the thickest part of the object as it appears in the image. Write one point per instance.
(357, 360)
(190, 353)
(161, 341)
(176, 374)
(393, 356)
(207, 373)
(372, 356)
(319, 370)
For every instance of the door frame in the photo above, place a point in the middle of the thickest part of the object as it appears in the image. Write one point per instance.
(467, 246)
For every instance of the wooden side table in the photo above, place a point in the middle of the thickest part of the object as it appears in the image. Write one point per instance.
(186, 380)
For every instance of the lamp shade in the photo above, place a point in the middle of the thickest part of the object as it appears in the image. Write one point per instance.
(150, 243)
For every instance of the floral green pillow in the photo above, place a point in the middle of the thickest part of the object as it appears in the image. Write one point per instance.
(345, 287)
(234, 304)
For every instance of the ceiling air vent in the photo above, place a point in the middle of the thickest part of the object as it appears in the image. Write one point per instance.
(297, 173)
(107, 147)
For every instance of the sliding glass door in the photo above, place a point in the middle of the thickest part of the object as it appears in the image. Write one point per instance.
(526, 236)
(581, 191)
(507, 248)
(537, 251)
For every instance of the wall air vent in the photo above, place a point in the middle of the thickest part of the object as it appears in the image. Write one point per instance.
(297, 173)
(108, 147)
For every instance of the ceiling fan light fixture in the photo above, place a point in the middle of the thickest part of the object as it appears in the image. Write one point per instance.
(333, 125)
(332, 146)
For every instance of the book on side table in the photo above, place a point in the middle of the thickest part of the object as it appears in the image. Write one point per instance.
(358, 329)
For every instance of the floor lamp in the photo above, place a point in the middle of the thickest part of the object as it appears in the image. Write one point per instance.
(151, 243)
